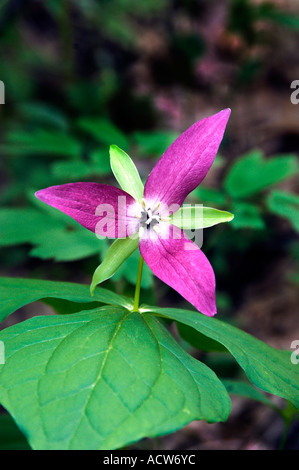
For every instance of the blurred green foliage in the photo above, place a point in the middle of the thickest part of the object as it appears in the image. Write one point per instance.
(65, 106)
(246, 185)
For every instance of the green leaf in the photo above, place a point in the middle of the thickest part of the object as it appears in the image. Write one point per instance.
(246, 390)
(117, 253)
(17, 292)
(42, 114)
(55, 237)
(78, 170)
(41, 142)
(126, 173)
(154, 143)
(211, 195)
(66, 307)
(102, 380)
(198, 340)
(21, 226)
(268, 368)
(253, 173)
(195, 217)
(247, 215)
(68, 244)
(286, 205)
(104, 131)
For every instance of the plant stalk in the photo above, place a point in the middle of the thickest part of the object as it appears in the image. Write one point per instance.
(138, 285)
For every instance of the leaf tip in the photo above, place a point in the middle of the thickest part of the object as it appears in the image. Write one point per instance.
(113, 147)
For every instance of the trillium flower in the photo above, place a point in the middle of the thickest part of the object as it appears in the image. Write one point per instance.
(146, 216)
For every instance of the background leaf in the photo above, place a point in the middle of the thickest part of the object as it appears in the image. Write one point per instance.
(55, 237)
(286, 205)
(103, 131)
(209, 195)
(198, 340)
(253, 173)
(42, 142)
(247, 215)
(154, 143)
(246, 390)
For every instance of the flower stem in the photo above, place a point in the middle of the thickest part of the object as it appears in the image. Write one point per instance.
(138, 285)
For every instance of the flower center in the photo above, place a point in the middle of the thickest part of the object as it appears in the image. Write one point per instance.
(150, 218)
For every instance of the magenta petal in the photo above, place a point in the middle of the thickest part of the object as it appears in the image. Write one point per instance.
(183, 266)
(101, 208)
(187, 161)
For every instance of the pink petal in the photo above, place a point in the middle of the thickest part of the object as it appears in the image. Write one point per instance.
(182, 265)
(101, 208)
(186, 162)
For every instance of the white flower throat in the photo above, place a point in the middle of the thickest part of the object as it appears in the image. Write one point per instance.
(150, 218)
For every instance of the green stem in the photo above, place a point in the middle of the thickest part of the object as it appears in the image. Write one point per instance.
(138, 285)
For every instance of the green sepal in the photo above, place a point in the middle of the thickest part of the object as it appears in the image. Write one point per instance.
(190, 217)
(117, 253)
(126, 172)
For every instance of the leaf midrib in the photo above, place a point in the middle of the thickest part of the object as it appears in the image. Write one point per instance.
(99, 376)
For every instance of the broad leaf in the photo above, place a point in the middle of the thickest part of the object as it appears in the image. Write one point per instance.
(253, 173)
(190, 217)
(268, 368)
(126, 173)
(286, 205)
(117, 253)
(16, 292)
(103, 379)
